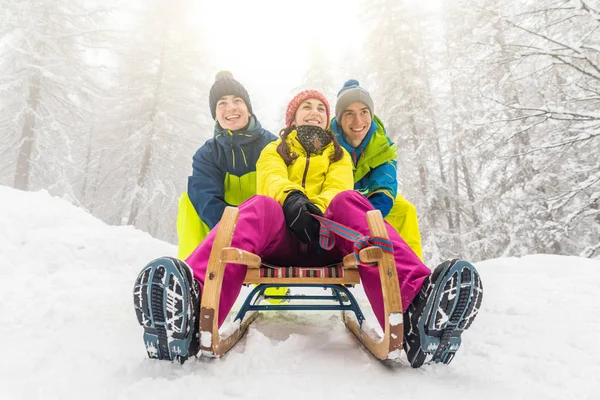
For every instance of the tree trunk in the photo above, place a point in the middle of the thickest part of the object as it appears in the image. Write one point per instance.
(469, 187)
(420, 165)
(87, 169)
(143, 177)
(457, 202)
(447, 204)
(23, 171)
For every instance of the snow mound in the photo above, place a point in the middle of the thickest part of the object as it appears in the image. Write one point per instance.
(69, 330)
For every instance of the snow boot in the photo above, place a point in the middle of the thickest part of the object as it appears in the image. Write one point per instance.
(444, 308)
(166, 298)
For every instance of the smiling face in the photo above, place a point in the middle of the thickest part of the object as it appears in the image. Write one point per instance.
(356, 121)
(232, 113)
(312, 112)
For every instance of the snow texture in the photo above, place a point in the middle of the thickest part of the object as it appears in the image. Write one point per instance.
(69, 329)
(396, 319)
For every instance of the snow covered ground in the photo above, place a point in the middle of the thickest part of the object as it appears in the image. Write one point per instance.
(69, 331)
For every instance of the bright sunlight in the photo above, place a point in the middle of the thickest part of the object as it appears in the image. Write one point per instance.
(267, 43)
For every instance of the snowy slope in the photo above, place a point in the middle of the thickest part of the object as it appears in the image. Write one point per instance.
(69, 330)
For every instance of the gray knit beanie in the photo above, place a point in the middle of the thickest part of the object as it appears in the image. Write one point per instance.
(352, 93)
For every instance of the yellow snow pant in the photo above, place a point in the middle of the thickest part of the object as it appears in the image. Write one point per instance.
(191, 230)
(403, 217)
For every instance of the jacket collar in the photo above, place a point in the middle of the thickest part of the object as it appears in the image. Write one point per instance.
(376, 135)
(252, 132)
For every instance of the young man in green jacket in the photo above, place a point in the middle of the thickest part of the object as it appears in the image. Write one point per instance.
(374, 156)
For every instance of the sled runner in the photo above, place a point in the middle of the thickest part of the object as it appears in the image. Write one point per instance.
(334, 277)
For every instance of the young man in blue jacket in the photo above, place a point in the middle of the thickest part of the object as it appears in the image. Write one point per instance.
(224, 168)
(374, 157)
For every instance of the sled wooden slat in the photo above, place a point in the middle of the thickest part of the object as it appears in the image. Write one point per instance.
(238, 256)
(390, 346)
(222, 345)
(350, 262)
(370, 254)
(225, 344)
(211, 344)
(350, 277)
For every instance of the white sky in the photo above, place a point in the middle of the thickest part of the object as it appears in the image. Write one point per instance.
(266, 44)
(70, 332)
(269, 40)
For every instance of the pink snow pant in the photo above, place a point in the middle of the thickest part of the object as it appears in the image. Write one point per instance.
(261, 230)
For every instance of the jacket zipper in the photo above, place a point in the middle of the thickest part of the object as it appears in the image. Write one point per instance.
(233, 160)
(305, 172)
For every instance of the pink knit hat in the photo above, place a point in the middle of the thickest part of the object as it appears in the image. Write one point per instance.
(301, 98)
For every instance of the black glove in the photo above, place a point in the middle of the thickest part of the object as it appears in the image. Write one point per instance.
(297, 209)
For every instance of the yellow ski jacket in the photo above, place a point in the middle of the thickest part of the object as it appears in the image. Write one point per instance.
(313, 174)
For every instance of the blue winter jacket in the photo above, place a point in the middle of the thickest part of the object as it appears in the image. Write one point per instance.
(375, 162)
(224, 170)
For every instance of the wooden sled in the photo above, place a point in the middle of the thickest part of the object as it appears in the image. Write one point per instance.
(213, 345)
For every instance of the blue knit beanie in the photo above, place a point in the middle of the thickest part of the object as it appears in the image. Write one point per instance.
(351, 93)
(225, 85)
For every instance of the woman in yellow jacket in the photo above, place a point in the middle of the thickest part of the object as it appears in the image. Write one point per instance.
(303, 174)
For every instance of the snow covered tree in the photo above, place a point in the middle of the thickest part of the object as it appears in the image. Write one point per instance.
(552, 128)
(158, 118)
(46, 88)
(405, 65)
